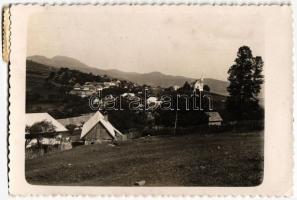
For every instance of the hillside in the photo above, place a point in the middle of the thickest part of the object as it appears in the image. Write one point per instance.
(228, 159)
(36, 73)
(152, 78)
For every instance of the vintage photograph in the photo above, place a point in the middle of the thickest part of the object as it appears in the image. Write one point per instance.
(145, 98)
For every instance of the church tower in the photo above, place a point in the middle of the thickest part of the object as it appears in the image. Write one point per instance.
(198, 84)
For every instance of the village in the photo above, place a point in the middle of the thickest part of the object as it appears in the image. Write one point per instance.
(148, 99)
(45, 134)
(186, 128)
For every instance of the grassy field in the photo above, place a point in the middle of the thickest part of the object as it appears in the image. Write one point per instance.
(225, 159)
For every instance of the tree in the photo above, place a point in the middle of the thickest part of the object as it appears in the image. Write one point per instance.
(51, 76)
(71, 127)
(206, 88)
(39, 128)
(186, 86)
(245, 78)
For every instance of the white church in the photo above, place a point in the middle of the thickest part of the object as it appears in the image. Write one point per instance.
(198, 84)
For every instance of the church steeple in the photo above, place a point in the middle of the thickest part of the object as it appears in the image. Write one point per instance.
(198, 84)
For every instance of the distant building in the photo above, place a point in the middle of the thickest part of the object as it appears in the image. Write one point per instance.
(99, 87)
(118, 82)
(98, 129)
(198, 84)
(87, 89)
(128, 95)
(109, 84)
(77, 121)
(152, 100)
(77, 86)
(175, 87)
(214, 118)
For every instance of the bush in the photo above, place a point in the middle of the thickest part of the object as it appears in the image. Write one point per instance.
(236, 127)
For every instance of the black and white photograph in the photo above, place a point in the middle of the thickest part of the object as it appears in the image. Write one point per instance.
(156, 100)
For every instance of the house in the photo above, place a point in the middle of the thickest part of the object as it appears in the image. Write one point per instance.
(117, 82)
(109, 84)
(128, 95)
(98, 129)
(76, 121)
(153, 100)
(88, 83)
(214, 118)
(88, 87)
(49, 138)
(175, 87)
(99, 86)
(85, 90)
(32, 118)
(77, 86)
(75, 125)
(80, 93)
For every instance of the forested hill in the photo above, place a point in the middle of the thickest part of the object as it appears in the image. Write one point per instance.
(152, 78)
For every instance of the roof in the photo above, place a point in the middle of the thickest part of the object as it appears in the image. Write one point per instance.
(127, 94)
(214, 116)
(78, 121)
(77, 85)
(197, 81)
(32, 118)
(152, 99)
(99, 118)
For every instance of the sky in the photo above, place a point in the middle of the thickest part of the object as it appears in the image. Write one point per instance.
(190, 41)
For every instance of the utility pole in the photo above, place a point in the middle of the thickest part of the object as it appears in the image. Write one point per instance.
(175, 122)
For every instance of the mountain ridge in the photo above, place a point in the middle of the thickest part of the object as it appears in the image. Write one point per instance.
(154, 78)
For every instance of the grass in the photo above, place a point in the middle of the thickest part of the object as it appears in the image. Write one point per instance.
(225, 159)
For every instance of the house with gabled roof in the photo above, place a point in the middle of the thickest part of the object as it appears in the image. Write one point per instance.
(98, 129)
(77, 86)
(49, 137)
(77, 121)
(32, 118)
(128, 95)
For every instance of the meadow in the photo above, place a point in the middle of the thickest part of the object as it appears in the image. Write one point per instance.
(219, 159)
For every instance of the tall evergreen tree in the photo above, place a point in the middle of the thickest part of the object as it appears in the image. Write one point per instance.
(186, 86)
(245, 78)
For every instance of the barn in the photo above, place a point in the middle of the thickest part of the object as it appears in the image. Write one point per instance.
(214, 118)
(32, 118)
(76, 121)
(48, 138)
(98, 129)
